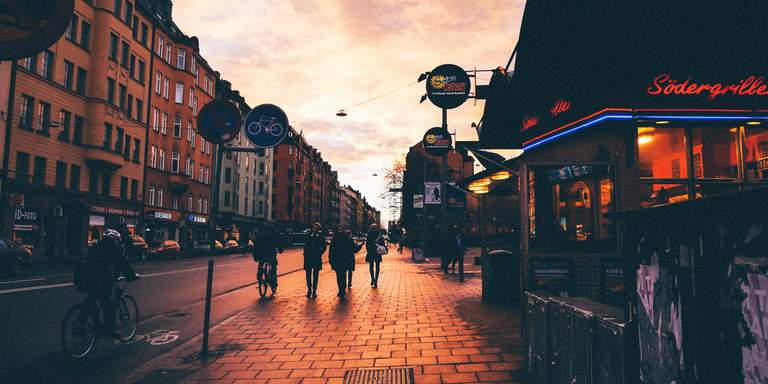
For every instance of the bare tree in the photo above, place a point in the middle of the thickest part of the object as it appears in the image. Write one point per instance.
(393, 182)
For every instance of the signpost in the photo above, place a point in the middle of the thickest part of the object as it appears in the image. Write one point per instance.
(28, 27)
(266, 126)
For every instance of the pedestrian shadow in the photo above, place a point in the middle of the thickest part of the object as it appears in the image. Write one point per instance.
(266, 299)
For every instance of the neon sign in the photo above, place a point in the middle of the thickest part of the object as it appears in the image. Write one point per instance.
(529, 122)
(664, 84)
(560, 107)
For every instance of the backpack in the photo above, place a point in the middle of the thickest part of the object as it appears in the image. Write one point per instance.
(93, 274)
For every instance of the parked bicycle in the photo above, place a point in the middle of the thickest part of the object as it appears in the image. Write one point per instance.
(267, 125)
(267, 277)
(83, 324)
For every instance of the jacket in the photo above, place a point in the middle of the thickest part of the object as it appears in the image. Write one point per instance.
(314, 248)
(341, 256)
(372, 240)
(266, 246)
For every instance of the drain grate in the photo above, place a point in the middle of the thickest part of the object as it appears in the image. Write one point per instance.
(379, 376)
(166, 376)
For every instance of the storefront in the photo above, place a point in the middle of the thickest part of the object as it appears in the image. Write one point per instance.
(160, 225)
(197, 228)
(102, 217)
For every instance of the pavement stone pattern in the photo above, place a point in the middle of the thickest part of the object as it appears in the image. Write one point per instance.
(418, 317)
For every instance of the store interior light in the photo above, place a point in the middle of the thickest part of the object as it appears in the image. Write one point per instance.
(642, 130)
(753, 122)
(482, 182)
(644, 139)
(662, 122)
(501, 175)
(473, 187)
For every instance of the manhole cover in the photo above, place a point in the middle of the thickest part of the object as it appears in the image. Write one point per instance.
(379, 376)
(165, 376)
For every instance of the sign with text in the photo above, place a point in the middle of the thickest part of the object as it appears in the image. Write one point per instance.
(432, 193)
(266, 126)
(25, 219)
(219, 121)
(448, 86)
(437, 141)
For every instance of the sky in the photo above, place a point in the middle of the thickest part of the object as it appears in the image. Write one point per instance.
(314, 57)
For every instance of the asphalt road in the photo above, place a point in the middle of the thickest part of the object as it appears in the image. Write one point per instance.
(170, 295)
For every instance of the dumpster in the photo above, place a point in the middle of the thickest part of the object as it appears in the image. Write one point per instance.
(501, 277)
(582, 342)
(536, 336)
(610, 348)
(559, 316)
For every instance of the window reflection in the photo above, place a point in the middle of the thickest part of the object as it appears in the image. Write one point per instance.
(662, 152)
(756, 151)
(715, 153)
(659, 194)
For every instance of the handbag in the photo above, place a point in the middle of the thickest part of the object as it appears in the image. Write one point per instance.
(381, 250)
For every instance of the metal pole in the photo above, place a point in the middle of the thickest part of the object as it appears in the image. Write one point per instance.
(444, 198)
(424, 207)
(214, 214)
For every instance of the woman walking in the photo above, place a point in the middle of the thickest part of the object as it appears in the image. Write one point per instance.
(314, 247)
(373, 258)
(342, 258)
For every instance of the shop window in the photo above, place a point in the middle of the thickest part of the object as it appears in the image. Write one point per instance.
(756, 151)
(662, 152)
(568, 207)
(715, 152)
(660, 194)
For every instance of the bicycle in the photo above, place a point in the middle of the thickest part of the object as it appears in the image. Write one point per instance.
(268, 125)
(267, 277)
(83, 325)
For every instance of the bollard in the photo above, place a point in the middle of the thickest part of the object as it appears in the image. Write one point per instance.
(207, 320)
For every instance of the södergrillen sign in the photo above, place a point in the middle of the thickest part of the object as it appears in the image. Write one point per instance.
(30, 26)
(448, 86)
(266, 126)
(219, 121)
(437, 141)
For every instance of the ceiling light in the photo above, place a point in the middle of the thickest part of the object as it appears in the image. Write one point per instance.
(662, 122)
(481, 191)
(753, 122)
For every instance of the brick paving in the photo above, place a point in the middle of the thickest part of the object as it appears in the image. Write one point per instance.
(418, 317)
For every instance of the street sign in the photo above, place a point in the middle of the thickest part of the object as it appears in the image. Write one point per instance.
(27, 27)
(437, 141)
(432, 193)
(448, 86)
(219, 121)
(266, 126)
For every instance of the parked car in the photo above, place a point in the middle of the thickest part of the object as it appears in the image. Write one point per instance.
(203, 248)
(231, 246)
(165, 248)
(138, 248)
(246, 246)
(12, 256)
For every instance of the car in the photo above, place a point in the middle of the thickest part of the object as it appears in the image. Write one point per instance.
(231, 246)
(12, 256)
(138, 248)
(165, 248)
(203, 248)
(246, 246)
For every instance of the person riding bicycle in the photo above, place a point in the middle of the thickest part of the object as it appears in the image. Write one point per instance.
(106, 262)
(266, 246)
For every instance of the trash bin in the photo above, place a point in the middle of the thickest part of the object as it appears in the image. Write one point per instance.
(537, 336)
(610, 354)
(501, 277)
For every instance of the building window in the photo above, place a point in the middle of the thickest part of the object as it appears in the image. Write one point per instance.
(27, 112)
(30, 63)
(118, 7)
(158, 82)
(144, 33)
(136, 150)
(77, 137)
(106, 183)
(85, 35)
(119, 140)
(155, 119)
(261, 188)
(125, 54)
(181, 59)
(139, 110)
(135, 28)
(69, 74)
(190, 134)
(228, 175)
(166, 86)
(191, 97)
(179, 93)
(112, 54)
(168, 50)
(153, 156)
(128, 12)
(71, 32)
(40, 168)
(177, 127)
(43, 117)
(129, 106)
(123, 187)
(160, 45)
(205, 206)
(110, 90)
(46, 69)
(82, 76)
(189, 202)
(107, 143)
(151, 196)
(226, 198)
(141, 71)
(200, 205)
(202, 172)
(261, 168)
(188, 166)
(121, 95)
(127, 148)
(164, 125)
(132, 67)
(61, 175)
(134, 189)
(93, 182)
(161, 159)
(74, 178)
(65, 119)
(175, 162)
(22, 167)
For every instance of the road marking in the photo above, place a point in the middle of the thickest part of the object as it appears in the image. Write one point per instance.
(35, 288)
(156, 338)
(21, 281)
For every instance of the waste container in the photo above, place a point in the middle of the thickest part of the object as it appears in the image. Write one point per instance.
(610, 353)
(536, 336)
(501, 277)
(582, 342)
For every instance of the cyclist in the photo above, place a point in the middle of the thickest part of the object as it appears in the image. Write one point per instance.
(266, 246)
(106, 261)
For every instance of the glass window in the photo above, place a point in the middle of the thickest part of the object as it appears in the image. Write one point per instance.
(74, 178)
(113, 46)
(22, 167)
(659, 194)
(85, 34)
(662, 152)
(71, 32)
(77, 137)
(40, 168)
(82, 75)
(69, 74)
(715, 153)
(756, 152)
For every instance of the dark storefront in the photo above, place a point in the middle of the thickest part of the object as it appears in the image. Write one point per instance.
(160, 225)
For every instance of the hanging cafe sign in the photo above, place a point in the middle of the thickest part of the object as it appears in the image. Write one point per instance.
(448, 86)
(437, 141)
(665, 84)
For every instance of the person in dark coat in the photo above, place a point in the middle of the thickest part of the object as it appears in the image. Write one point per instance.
(372, 257)
(266, 246)
(314, 248)
(341, 256)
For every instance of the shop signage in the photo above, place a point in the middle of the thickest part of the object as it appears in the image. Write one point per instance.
(664, 84)
(219, 121)
(437, 141)
(197, 219)
(569, 172)
(560, 107)
(159, 215)
(24, 219)
(266, 126)
(114, 211)
(96, 220)
(529, 122)
(432, 193)
(29, 27)
(448, 86)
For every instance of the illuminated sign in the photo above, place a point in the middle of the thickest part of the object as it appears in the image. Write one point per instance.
(664, 84)
(529, 122)
(560, 107)
(448, 86)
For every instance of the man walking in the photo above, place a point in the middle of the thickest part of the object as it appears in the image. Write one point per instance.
(313, 258)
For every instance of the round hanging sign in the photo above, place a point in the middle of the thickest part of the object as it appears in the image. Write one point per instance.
(437, 141)
(448, 86)
(219, 121)
(266, 126)
(27, 27)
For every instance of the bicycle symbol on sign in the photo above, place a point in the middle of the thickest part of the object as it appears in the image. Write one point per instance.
(267, 125)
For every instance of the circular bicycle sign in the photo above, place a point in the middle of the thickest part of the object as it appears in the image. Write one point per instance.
(448, 86)
(437, 141)
(219, 121)
(27, 27)
(266, 126)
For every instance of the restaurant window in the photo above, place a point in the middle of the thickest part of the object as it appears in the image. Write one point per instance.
(716, 148)
(756, 150)
(568, 207)
(659, 149)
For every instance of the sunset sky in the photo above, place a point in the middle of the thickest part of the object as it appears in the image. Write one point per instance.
(314, 57)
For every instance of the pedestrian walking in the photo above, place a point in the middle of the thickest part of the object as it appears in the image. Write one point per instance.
(373, 241)
(341, 256)
(314, 247)
(455, 243)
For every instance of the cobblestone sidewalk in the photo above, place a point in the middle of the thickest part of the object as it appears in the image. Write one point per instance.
(418, 318)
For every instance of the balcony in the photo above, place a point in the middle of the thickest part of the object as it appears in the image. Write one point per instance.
(103, 159)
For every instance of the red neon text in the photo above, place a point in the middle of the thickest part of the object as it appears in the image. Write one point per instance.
(530, 122)
(750, 86)
(560, 107)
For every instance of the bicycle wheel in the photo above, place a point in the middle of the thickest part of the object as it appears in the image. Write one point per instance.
(264, 278)
(127, 318)
(78, 331)
(276, 129)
